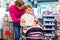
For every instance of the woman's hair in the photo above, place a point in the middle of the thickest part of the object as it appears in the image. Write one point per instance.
(19, 4)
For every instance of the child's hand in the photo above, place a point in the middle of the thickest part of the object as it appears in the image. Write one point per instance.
(41, 25)
(36, 21)
(34, 24)
(22, 20)
(23, 25)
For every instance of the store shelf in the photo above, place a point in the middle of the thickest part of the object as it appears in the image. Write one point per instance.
(48, 29)
(35, 37)
(58, 28)
(48, 15)
(49, 35)
(49, 24)
(48, 20)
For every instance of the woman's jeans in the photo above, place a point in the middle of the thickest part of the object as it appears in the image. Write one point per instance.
(16, 26)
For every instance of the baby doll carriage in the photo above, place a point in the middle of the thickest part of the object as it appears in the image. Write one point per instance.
(34, 33)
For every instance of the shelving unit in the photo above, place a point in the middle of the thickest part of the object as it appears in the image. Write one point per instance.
(57, 29)
(49, 27)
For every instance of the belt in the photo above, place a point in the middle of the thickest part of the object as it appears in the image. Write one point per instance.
(28, 26)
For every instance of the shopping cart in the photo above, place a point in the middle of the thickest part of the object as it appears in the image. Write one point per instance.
(9, 31)
(33, 33)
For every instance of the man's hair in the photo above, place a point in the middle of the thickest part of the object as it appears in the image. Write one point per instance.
(19, 4)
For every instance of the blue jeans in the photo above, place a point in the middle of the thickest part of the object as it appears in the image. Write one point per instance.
(16, 26)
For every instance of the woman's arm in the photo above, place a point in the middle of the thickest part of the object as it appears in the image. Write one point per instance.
(13, 16)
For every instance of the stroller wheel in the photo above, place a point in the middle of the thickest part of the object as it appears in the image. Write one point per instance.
(23, 39)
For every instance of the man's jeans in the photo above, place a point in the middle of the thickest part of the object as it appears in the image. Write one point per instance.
(16, 26)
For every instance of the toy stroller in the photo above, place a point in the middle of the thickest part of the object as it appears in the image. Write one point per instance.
(34, 33)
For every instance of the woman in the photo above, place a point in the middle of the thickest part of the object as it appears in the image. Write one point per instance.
(16, 11)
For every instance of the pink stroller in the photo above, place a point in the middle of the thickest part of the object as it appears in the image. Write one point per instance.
(34, 33)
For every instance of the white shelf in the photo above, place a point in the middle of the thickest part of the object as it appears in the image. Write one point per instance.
(35, 37)
(49, 24)
(49, 35)
(48, 20)
(48, 15)
(58, 32)
(48, 29)
(58, 27)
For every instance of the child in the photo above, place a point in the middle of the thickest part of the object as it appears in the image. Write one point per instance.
(27, 19)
